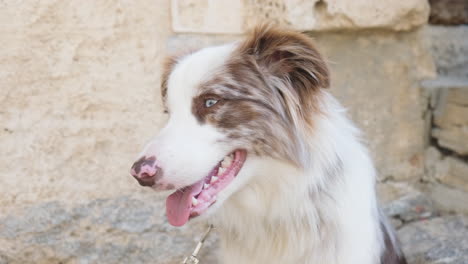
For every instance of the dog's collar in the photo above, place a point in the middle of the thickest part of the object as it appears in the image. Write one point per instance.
(192, 259)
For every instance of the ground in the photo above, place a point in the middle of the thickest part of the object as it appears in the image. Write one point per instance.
(133, 229)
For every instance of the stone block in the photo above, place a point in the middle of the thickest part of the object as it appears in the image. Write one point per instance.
(448, 170)
(448, 12)
(390, 191)
(403, 202)
(411, 207)
(124, 229)
(447, 199)
(375, 76)
(79, 96)
(437, 240)
(457, 174)
(451, 120)
(232, 17)
(221, 16)
(449, 47)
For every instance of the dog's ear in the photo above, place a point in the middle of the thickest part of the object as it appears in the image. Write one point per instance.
(168, 65)
(288, 55)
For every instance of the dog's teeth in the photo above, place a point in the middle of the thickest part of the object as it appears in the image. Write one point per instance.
(206, 185)
(221, 171)
(213, 179)
(194, 201)
(226, 162)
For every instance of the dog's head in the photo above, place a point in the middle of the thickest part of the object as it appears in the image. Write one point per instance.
(229, 107)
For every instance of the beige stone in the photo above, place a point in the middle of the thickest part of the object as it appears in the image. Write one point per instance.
(391, 191)
(220, 16)
(374, 76)
(457, 174)
(453, 138)
(448, 170)
(448, 199)
(234, 17)
(356, 14)
(432, 160)
(451, 120)
(78, 96)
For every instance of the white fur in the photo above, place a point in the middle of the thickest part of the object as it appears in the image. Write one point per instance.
(274, 212)
(271, 219)
(183, 136)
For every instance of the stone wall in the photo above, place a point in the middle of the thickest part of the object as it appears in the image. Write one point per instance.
(79, 95)
(443, 239)
(446, 177)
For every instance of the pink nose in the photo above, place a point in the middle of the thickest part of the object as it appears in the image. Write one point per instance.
(145, 171)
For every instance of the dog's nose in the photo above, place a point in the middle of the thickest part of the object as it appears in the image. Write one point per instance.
(145, 171)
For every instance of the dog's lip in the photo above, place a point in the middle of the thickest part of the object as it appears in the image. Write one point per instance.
(198, 197)
(207, 196)
(147, 181)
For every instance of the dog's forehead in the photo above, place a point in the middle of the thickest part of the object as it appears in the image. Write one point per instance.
(192, 70)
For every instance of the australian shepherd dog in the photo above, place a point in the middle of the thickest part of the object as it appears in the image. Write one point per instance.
(256, 145)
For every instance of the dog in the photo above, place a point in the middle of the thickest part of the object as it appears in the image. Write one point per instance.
(257, 145)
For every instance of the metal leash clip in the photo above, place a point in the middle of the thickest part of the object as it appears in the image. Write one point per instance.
(192, 259)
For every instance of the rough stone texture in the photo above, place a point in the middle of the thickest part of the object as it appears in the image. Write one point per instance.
(390, 191)
(385, 100)
(182, 43)
(448, 12)
(438, 240)
(78, 95)
(236, 16)
(449, 170)
(411, 208)
(446, 174)
(449, 47)
(221, 16)
(403, 202)
(451, 120)
(124, 229)
(447, 199)
(447, 181)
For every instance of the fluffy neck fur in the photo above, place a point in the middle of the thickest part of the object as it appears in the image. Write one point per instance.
(325, 213)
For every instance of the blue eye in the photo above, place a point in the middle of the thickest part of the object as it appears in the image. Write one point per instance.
(210, 102)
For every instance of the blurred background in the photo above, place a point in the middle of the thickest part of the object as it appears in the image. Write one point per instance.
(79, 98)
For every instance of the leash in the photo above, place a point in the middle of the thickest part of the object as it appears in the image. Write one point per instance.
(192, 259)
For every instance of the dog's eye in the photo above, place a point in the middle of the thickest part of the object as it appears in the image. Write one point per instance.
(210, 102)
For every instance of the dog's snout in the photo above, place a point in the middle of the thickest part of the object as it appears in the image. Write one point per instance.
(145, 171)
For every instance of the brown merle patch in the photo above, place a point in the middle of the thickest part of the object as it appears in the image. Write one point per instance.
(167, 66)
(268, 86)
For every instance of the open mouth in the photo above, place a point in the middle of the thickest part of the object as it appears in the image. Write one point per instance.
(193, 200)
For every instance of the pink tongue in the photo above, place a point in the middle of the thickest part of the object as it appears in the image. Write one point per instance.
(178, 204)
